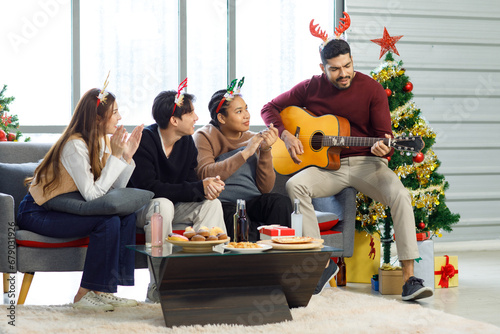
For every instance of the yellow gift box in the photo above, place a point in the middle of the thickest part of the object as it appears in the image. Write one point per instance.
(365, 259)
(445, 271)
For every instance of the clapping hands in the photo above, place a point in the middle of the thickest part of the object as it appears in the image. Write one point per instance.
(123, 145)
(269, 137)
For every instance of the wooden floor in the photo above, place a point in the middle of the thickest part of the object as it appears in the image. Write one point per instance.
(477, 296)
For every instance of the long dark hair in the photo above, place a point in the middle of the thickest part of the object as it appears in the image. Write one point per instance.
(88, 121)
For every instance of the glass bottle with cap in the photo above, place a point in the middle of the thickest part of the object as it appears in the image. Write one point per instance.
(156, 226)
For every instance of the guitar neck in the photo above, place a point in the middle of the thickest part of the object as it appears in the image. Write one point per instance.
(352, 141)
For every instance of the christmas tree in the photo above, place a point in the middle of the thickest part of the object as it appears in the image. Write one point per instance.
(9, 125)
(417, 171)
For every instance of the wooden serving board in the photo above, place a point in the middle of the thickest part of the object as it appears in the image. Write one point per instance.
(318, 243)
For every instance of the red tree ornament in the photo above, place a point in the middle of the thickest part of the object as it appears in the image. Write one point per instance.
(3, 136)
(421, 225)
(408, 87)
(419, 157)
(388, 92)
(387, 43)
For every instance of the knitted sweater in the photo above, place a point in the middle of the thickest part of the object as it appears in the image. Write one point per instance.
(173, 177)
(212, 144)
(364, 104)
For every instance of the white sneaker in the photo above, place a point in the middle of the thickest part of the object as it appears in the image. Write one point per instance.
(91, 302)
(111, 299)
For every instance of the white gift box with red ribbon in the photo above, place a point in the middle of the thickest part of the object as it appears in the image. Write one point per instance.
(267, 232)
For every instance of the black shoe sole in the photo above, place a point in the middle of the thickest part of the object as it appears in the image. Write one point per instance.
(419, 294)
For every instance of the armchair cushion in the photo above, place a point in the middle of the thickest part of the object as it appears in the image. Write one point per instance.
(329, 204)
(121, 201)
(12, 179)
(326, 220)
(30, 239)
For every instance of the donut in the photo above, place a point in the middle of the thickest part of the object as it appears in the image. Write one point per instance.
(198, 237)
(189, 234)
(204, 232)
(212, 238)
(222, 236)
(216, 230)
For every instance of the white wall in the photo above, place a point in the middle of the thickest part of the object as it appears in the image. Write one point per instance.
(451, 52)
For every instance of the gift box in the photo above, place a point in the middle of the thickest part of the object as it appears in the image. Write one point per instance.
(375, 285)
(445, 271)
(269, 231)
(390, 282)
(423, 267)
(365, 260)
(423, 236)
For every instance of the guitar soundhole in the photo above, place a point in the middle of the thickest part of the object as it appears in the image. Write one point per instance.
(317, 141)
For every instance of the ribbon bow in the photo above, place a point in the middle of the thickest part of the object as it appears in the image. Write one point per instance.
(447, 272)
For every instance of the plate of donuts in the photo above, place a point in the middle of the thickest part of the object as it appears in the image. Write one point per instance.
(198, 246)
(201, 241)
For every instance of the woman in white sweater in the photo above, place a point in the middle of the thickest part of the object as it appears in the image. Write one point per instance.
(85, 159)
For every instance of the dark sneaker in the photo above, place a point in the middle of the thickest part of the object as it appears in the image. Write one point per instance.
(153, 296)
(414, 289)
(327, 275)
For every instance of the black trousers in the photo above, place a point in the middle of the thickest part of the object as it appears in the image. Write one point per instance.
(266, 209)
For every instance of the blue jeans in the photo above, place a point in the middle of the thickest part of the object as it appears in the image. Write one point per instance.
(108, 263)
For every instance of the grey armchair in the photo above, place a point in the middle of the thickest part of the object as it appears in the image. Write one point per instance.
(25, 251)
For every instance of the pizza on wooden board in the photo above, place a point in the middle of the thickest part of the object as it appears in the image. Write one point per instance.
(293, 240)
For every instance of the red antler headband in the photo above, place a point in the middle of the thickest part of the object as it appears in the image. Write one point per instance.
(344, 24)
(103, 94)
(231, 92)
(179, 98)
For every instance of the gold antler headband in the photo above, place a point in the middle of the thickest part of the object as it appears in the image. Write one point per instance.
(103, 93)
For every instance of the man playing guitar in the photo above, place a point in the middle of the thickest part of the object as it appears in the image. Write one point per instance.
(343, 92)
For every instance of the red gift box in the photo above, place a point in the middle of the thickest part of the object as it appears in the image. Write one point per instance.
(269, 231)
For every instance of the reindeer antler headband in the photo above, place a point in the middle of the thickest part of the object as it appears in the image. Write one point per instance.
(231, 92)
(179, 98)
(103, 94)
(344, 24)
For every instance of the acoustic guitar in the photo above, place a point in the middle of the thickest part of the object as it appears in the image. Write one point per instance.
(323, 137)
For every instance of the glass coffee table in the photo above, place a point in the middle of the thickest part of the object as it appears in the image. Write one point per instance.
(234, 288)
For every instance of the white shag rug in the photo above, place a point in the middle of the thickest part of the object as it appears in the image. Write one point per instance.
(334, 311)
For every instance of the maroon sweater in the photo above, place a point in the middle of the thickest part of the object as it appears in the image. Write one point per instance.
(364, 104)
